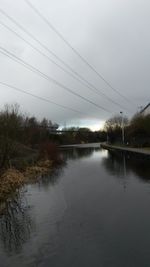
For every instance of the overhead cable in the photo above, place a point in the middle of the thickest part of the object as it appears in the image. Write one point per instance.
(39, 97)
(81, 79)
(74, 50)
(50, 79)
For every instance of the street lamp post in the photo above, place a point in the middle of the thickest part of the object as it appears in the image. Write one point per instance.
(122, 126)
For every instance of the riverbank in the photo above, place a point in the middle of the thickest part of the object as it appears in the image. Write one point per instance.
(140, 151)
(12, 179)
(27, 165)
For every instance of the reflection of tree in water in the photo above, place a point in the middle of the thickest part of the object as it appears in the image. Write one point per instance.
(77, 153)
(71, 153)
(140, 167)
(52, 177)
(115, 165)
(120, 164)
(15, 224)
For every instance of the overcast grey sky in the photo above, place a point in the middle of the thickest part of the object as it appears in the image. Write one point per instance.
(112, 35)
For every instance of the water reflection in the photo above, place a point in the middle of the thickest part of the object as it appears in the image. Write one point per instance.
(62, 218)
(16, 221)
(122, 164)
(78, 153)
(52, 177)
(16, 224)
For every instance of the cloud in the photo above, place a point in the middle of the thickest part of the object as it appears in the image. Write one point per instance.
(112, 35)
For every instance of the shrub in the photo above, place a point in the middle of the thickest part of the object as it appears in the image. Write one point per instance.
(49, 151)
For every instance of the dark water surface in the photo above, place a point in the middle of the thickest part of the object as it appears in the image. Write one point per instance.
(94, 211)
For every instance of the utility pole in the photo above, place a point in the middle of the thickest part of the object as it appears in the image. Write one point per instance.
(122, 126)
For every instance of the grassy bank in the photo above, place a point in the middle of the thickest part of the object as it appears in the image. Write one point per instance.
(27, 166)
(12, 179)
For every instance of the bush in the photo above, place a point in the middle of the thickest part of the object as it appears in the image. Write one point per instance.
(49, 151)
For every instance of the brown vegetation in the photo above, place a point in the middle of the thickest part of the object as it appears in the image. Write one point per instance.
(42, 167)
(25, 149)
(49, 150)
(18, 130)
(12, 179)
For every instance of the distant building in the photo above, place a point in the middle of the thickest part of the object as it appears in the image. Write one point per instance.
(146, 111)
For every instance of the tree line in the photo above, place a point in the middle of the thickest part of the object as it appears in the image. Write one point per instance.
(80, 135)
(19, 131)
(136, 130)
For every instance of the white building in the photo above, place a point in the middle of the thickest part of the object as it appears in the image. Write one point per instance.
(146, 111)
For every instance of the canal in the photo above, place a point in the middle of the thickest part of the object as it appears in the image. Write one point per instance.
(92, 211)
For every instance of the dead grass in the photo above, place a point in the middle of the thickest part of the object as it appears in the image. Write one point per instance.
(12, 179)
(42, 167)
(45, 163)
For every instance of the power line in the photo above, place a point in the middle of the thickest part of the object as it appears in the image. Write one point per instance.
(43, 75)
(39, 97)
(35, 39)
(70, 74)
(81, 79)
(73, 49)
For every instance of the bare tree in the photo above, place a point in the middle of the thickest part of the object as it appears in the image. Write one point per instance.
(10, 123)
(113, 127)
(115, 123)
